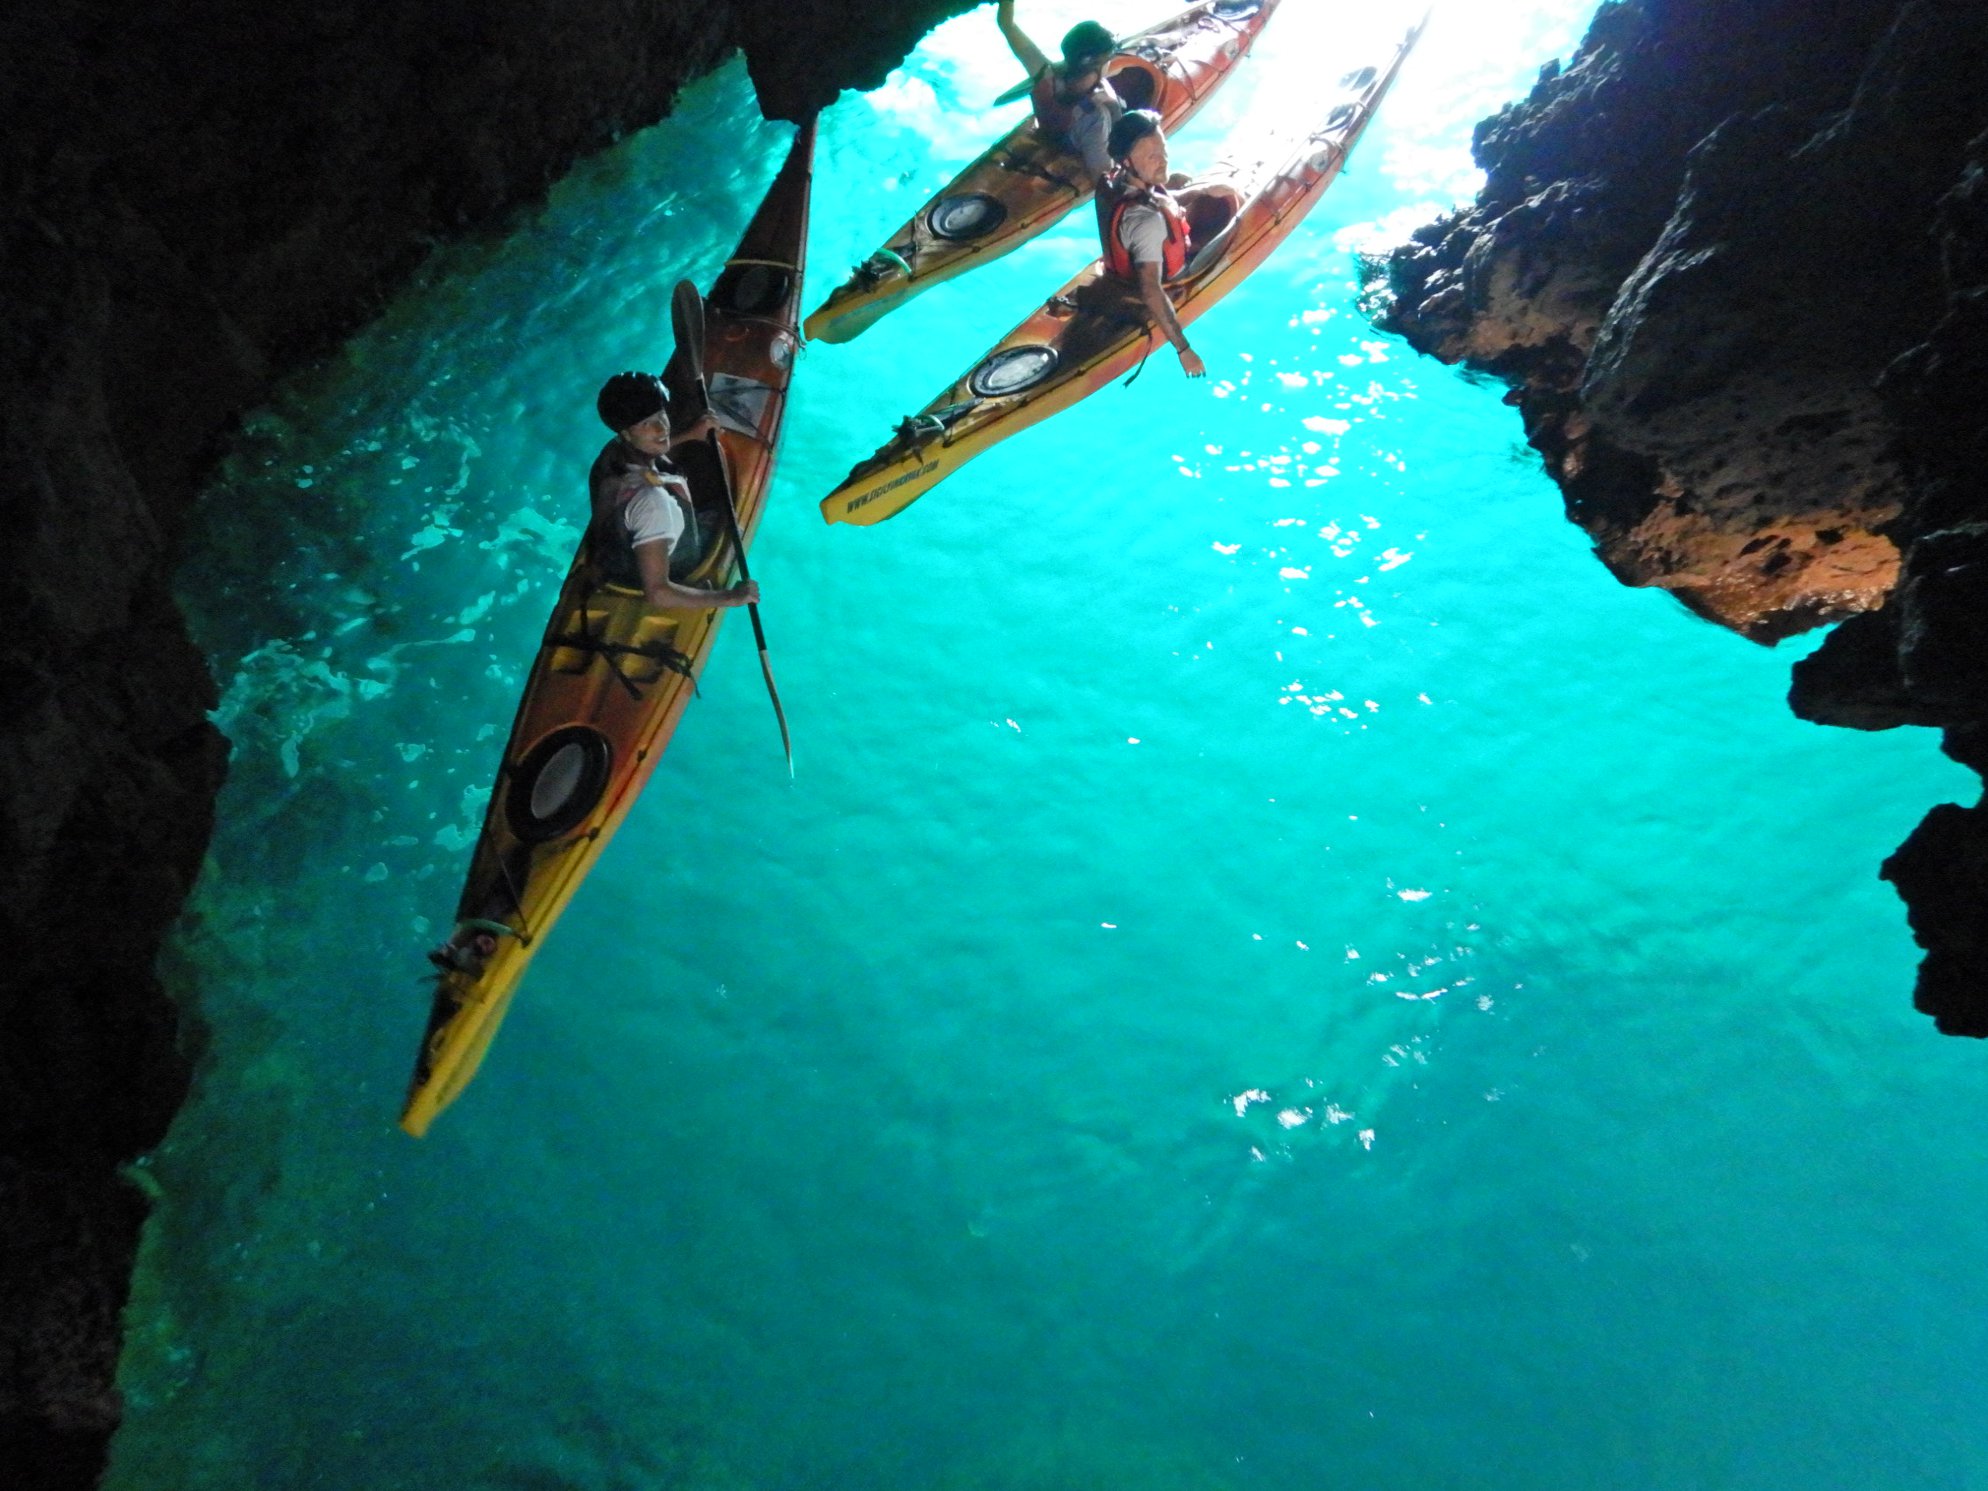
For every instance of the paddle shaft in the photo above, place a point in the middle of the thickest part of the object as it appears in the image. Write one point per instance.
(752, 610)
(687, 310)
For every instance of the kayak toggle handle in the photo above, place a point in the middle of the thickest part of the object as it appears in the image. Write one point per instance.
(471, 945)
(880, 266)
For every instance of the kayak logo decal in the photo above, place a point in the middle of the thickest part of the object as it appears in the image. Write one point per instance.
(892, 485)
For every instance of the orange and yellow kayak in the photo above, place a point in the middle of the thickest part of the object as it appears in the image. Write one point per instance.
(1025, 183)
(612, 677)
(1095, 328)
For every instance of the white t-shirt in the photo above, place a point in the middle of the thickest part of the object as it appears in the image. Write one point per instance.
(653, 516)
(1142, 232)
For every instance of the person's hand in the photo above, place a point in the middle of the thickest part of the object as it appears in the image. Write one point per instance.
(1191, 363)
(697, 429)
(744, 594)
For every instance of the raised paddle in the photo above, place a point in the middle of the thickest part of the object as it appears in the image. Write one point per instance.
(687, 318)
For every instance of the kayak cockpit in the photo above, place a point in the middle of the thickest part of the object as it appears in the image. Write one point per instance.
(1213, 211)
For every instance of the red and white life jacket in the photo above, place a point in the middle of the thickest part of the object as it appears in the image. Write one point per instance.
(1118, 194)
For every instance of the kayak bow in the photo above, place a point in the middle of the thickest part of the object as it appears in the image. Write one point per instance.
(1095, 328)
(612, 677)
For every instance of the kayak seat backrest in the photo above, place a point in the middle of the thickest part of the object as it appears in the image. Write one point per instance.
(707, 499)
(1212, 214)
(1135, 80)
(752, 289)
(1210, 209)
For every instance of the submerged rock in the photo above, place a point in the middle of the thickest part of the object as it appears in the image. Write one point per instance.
(1733, 261)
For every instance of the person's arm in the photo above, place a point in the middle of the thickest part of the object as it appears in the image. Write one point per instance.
(1026, 52)
(1090, 133)
(665, 594)
(1160, 308)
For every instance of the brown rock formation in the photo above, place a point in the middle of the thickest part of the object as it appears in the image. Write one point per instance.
(198, 198)
(1733, 261)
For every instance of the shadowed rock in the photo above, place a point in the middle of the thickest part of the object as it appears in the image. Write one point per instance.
(1733, 260)
(199, 198)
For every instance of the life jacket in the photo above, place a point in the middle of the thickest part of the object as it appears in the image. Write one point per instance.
(620, 471)
(1055, 116)
(1117, 195)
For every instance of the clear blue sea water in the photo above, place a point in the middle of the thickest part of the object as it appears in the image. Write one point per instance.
(1273, 971)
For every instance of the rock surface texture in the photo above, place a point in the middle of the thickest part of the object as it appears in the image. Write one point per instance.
(1733, 262)
(198, 198)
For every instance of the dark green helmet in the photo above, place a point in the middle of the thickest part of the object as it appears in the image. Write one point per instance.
(1086, 45)
(627, 399)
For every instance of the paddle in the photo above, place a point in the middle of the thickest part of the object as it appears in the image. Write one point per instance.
(687, 317)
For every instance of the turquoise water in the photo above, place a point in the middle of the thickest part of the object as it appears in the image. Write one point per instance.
(1273, 971)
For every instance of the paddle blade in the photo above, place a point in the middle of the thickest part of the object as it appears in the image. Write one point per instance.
(773, 693)
(1020, 90)
(687, 321)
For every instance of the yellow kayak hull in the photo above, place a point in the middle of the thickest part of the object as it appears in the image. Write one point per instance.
(612, 677)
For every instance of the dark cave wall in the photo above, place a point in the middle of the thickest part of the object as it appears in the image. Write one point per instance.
(199, 198)
(1733, 261)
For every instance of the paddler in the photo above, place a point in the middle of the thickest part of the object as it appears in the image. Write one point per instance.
(1143, 220)
(1073, 103)
(642, 513)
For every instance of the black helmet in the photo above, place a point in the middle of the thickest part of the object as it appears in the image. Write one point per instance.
(1132, 127)
(627, 399)
(1087, 43)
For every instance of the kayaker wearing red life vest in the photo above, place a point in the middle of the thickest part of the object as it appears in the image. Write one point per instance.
(1144, 224)
(642, 513)
(1073, 103)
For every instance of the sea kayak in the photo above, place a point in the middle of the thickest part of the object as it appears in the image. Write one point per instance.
(612, 677)
(1026, 182)
(1095, 328)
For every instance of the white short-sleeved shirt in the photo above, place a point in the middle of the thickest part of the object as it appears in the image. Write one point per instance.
(1142, 232)
(653, 516)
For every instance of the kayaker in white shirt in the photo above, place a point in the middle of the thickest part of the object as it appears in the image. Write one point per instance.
(642, 516)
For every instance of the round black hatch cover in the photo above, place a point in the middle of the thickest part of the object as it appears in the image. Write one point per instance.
(971, 215)
(556, 785)
(1012, 370)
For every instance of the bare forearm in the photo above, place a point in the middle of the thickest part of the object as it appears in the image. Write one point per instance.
(668, 595)
(1160, 308)
(1026, 51)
